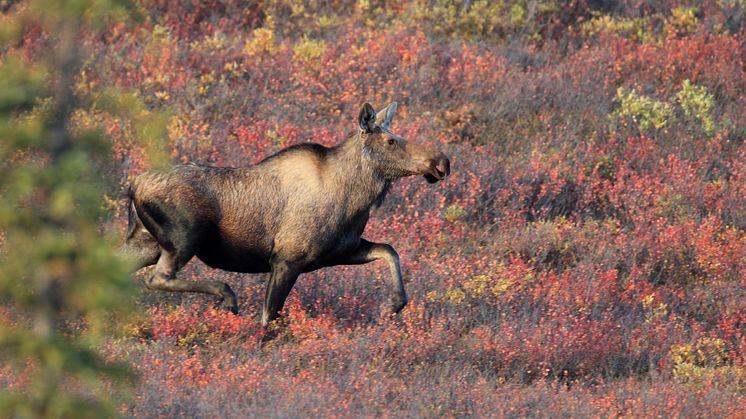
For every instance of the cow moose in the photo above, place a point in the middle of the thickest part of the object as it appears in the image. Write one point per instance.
(299, 210)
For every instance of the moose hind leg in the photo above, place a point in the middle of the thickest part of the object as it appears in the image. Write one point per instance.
(143, 248)
(165, 279)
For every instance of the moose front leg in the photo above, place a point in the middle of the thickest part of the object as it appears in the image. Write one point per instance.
(369, 252)
(280, 283)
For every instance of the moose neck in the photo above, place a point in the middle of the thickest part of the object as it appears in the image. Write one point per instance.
(354, 176)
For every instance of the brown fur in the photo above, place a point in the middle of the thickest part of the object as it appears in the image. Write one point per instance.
(299, 210)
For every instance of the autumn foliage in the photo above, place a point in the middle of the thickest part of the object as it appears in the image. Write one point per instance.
(585, 258)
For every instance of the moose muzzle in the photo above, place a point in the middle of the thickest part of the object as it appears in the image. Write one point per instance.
(438, 168)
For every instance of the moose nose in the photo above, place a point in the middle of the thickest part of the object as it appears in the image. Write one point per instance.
(439, 168)
(443, 167)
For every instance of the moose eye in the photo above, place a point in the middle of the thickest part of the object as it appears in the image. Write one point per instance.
(392, 141)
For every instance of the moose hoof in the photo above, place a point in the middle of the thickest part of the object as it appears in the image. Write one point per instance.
(276, 329)
(228, 305)
(229, 302)
(267, 337)
(397, 303)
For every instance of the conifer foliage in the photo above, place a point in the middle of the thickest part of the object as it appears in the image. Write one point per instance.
(60, 275)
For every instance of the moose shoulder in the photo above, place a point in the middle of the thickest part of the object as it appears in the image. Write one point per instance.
(301, 209)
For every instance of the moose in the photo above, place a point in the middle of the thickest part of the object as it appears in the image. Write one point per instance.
(299, 210)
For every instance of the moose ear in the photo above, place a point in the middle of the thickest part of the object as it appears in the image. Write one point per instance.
(367, 118)
(386, 115)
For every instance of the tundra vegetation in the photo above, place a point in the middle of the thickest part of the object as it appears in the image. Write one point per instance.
(584, 258)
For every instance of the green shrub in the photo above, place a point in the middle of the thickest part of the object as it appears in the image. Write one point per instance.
(639, 27)
(697, 103)
(706, 363)
(483, 18)
(646, 113)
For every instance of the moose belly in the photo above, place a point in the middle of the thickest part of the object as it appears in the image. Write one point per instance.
(339, 254)
(233, 258)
